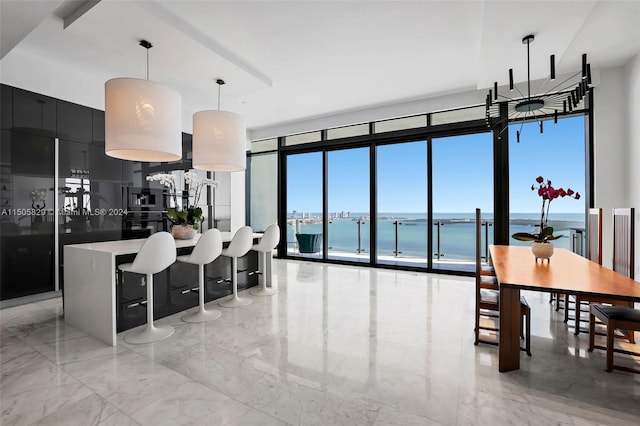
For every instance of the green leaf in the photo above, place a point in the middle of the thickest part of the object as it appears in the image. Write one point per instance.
(525, 236)
(548, 231)
(554, 237)
(172, 213)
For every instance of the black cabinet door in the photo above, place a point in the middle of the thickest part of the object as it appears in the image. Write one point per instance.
(103, 167)
(74, 122)
(34, 113)
(6, 106)
(98, 127)
(27, 226)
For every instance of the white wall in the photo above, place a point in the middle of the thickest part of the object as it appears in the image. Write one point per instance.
(632, 89)
(238, 203)
(610, 142)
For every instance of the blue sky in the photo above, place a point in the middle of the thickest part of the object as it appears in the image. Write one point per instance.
(462, 173)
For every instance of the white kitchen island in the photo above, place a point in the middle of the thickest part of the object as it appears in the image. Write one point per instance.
(90, 283)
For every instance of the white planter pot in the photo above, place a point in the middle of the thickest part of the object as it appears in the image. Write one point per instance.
(542, 251)
(183, 232)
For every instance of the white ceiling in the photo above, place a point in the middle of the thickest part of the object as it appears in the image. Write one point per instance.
(289, 61)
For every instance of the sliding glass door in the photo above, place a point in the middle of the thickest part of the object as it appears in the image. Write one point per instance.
(402, 204)
(304, 204)
(348, 188)
(462, 175)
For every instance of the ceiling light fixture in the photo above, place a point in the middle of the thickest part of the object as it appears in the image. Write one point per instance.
(143, 119)
(219, 140)
(566, 96)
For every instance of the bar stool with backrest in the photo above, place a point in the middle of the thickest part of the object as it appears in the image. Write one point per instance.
(268, 242)
(239, 246)
(488, 300)
(624, 318)
(156, 254)
(207, 249)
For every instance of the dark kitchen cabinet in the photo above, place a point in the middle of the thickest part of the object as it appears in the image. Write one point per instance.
(74, 122)
(34, 113)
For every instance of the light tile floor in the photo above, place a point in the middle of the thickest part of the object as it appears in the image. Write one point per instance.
(338, 345)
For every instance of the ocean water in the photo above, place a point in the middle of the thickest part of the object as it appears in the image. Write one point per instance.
(456, 232)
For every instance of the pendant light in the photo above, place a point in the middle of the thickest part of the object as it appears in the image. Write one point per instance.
(143, 119)
(219, 140)
(564, 96)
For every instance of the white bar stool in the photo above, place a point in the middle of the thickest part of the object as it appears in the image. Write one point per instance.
(239, 246)
(157, 253)
(268, 242)
(207, 249)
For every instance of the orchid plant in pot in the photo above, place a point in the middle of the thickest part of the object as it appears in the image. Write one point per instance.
(541, 240)
(185, 219)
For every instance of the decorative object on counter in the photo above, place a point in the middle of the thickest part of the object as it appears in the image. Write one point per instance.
(185, 220)
(541, 246)
(142, 119)
(219, 140)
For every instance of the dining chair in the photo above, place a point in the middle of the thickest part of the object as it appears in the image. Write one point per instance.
(488, 300)
(622, 262)
(268, 242)
(207, 249)
(594, 254)
(156, 254)
(240, 245)
(624, 319)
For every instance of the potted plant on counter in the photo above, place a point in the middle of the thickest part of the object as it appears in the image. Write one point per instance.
(541, 241)
(185, 219)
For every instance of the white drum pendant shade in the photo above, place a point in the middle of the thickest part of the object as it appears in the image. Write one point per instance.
(219, 141)
(143, 121)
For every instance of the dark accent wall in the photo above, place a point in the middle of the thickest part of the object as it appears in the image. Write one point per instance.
(96, 192)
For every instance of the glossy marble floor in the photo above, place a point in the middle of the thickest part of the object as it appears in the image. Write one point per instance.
(337, 346)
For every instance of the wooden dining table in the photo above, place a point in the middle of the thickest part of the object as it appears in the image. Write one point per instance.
(566, 272)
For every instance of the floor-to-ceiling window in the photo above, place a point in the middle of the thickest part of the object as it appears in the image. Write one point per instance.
(557, 155)
(348, 185)
(462, 176)
(403, 192)
(329, 192)
(304, 205)
(402, 203)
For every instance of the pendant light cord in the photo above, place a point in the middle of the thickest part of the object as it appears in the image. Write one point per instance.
(219, 82)
(528, 72)
(146, 45)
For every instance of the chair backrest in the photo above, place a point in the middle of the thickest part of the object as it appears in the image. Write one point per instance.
(478, 245)
(270, 239)
(241, 242)
(594, 235)
(623, 241)
(156, 254)
(208, 247)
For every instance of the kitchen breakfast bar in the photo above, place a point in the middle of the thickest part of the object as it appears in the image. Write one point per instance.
(102, 301)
